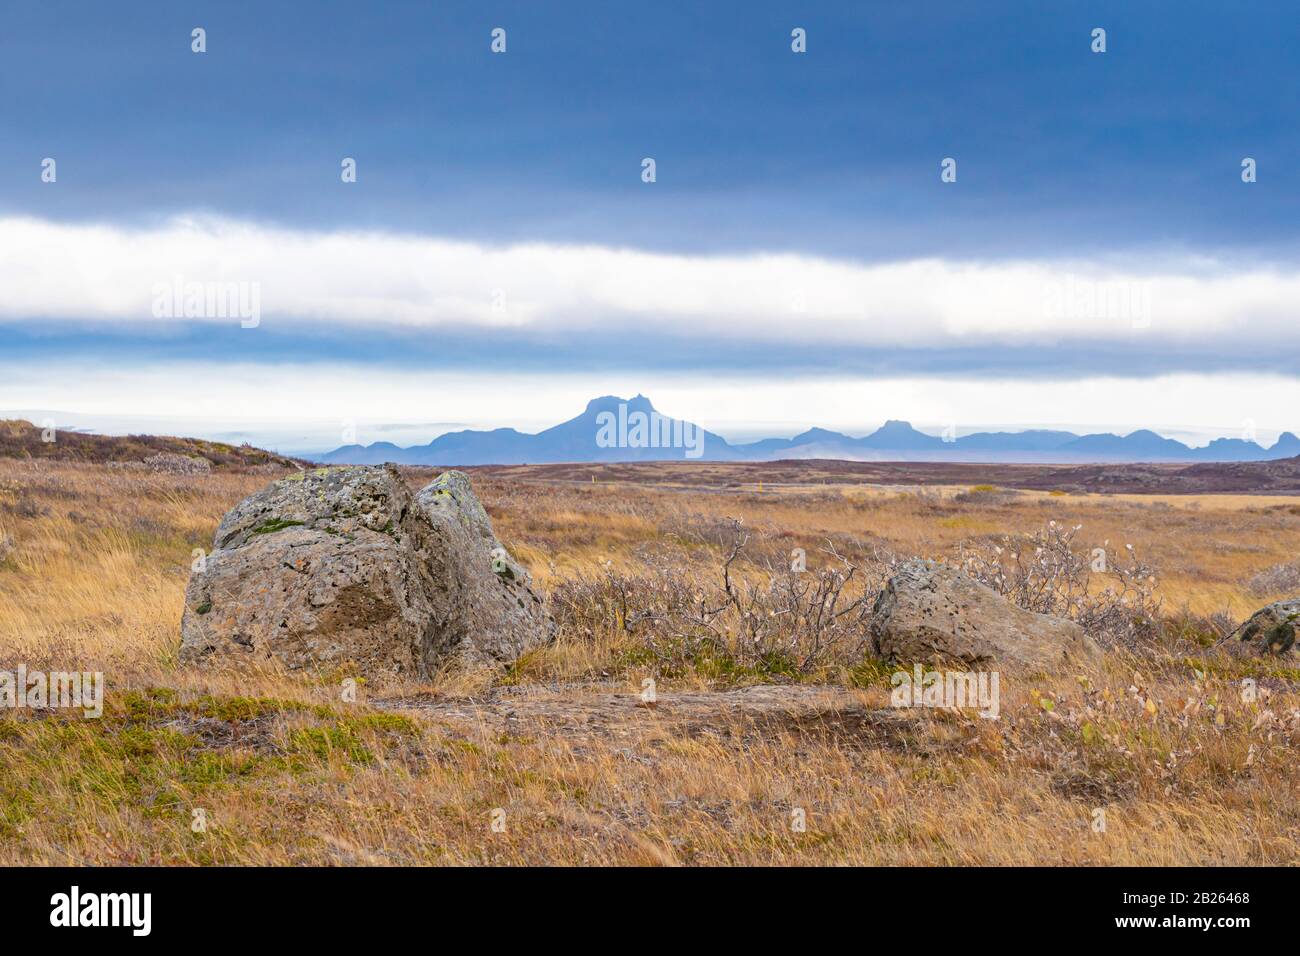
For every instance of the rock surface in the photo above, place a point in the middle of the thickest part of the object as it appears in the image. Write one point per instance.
(174, 464)
(930, 612)
(346, 567)
(498, 614)
(1272, 629)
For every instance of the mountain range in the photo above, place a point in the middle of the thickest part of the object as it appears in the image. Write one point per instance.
(614, 429)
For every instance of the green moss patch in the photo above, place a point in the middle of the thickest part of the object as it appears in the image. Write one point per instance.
(159, 756)
(276, 524)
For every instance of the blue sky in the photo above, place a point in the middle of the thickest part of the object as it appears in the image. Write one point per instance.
(518, 176)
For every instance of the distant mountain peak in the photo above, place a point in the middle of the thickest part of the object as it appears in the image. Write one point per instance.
(609, 429)
(610, 403)
(818, 434)
(898, 435)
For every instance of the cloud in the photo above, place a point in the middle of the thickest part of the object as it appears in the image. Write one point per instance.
(55, 272)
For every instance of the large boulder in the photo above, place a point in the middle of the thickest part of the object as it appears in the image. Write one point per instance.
(1272, 630)
(346, 567)
(498, 614)
(931, 612)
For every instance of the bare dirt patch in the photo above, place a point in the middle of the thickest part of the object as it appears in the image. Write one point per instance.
(829, 714)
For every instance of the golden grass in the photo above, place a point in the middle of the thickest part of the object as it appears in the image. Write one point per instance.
(1187, 771)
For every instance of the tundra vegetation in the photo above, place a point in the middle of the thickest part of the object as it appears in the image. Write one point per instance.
(1168, 751)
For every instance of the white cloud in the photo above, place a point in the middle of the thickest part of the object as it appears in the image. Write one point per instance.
(101, 273)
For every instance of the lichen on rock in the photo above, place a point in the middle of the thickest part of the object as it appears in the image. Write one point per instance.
(346, 565)
(932, 612)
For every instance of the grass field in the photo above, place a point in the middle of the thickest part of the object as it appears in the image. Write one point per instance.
(1159, 742)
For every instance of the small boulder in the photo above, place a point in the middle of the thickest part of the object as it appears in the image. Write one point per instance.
(931, 612)
(1272, 630)
(346, 566)
(173, 464)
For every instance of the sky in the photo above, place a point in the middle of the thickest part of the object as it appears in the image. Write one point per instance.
(198, 263)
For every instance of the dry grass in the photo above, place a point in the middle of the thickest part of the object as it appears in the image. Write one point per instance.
(24, 440)
(1186, 770)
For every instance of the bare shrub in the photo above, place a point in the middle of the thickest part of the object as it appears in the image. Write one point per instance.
(700, 529)
(1041, 572)
(1280, 578)
(985, 495)
(1199, 629)
(27, 507)
(763, 619)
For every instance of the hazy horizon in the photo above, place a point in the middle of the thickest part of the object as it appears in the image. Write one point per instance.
(307, 437)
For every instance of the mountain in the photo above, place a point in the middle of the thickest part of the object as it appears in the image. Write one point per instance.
(1230, 449)
(900, 436)
(813, 436)
(615, 429)
(1144, 445)
(609, 429)
(1286, 446)
(1032, 440)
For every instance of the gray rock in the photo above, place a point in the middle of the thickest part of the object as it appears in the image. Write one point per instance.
(174, 464)
(346, 567)
(931, 612)
(1271, 630)
(499, 614)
